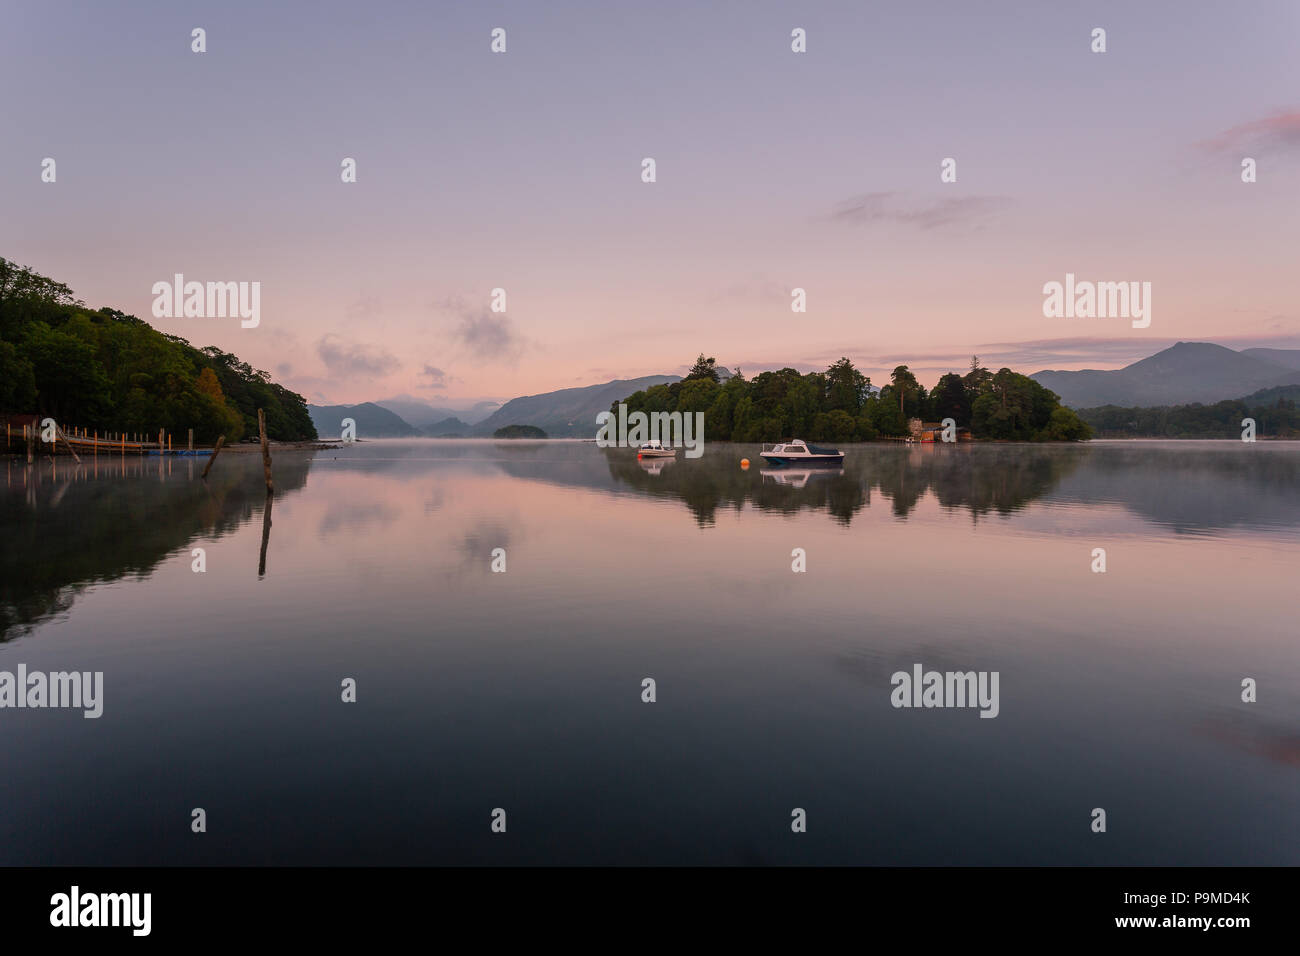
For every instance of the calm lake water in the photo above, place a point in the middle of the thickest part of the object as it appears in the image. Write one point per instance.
(523, 690)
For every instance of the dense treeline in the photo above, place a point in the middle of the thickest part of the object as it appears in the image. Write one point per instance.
(839, 405)
(105, 370)
(1273, 410)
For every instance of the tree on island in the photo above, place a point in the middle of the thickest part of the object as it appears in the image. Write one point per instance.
(904, 383)
(837, 405)
(703, 368)
(519, 431)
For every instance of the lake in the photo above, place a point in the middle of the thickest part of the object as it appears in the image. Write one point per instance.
(523, 689)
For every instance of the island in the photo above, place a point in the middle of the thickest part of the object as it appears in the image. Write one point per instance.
(519, 431)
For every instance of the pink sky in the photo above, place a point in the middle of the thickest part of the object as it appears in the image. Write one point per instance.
(775, 171)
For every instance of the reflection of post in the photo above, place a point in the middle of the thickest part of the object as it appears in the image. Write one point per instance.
(266, 536)
(215, 452)
(266, 451)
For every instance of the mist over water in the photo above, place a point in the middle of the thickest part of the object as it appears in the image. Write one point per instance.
(522, 689)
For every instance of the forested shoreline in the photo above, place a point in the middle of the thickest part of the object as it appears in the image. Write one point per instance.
(840, 404)
(106, 370)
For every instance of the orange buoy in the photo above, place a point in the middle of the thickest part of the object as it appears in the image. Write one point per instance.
(744, 464)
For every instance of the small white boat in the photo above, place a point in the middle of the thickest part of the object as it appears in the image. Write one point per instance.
(655, 449)
(798, 452)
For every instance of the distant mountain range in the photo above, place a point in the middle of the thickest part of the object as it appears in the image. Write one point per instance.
(570, 412)
(1184, 373)
(1180, 375)
(373, 421)
(420, 415)
(567, 413)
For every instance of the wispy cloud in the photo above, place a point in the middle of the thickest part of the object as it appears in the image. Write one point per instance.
(1281, 131)
(485, 335)
(435, 378)
(353, 360)
(891, 207)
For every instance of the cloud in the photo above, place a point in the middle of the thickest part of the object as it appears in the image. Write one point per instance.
(350, 360)
(928, 214)
(1281, 131)
(364, 306)
(437, 378)
(486, 335)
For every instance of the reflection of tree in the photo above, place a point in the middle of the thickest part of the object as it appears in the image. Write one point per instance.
(67, 532)
(978, 478)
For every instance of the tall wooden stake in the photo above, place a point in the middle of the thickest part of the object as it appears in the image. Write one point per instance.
(215, 452)
(63, 435)
(266, 451)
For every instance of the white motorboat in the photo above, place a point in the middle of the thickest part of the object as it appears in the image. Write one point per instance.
(798, 452)
(655, 449)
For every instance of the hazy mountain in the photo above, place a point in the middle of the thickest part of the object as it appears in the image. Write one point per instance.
(569, 412)
(477, 412)
(1181, 374)
(447, 428)
(373, 421)
(1287, 358)
(420, 414)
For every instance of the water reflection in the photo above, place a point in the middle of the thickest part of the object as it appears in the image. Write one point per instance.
(980, 480)
(67, 527)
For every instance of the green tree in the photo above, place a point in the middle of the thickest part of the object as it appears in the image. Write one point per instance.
(703, 368)
(903, 383)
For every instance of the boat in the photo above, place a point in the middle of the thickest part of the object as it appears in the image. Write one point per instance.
(798, 452)
(655, 449)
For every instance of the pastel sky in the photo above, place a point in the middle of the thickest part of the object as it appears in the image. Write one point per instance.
(775, 170)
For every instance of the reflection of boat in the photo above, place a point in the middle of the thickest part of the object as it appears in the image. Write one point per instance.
(798, 477)
(654, 466)
(655, 449)
(798, 452)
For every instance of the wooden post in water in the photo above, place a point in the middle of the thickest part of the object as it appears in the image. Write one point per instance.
(27, 437)
(190, 446)
(266, 451)
(215, 452)
(266, 535)
(60, 433)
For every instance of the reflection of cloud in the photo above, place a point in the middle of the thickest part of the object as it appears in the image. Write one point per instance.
(1280, 131)
(477, 544)
(1277, 743)
(352, 518)
(928, 214)
(346, 360)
